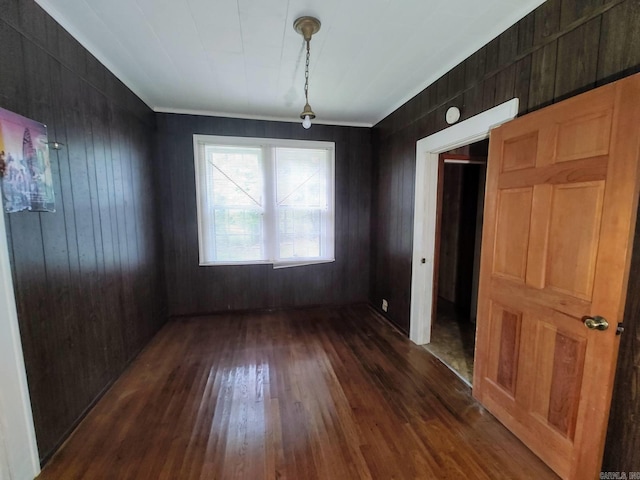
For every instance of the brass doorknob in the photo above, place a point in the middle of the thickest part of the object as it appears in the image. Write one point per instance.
(596, 323)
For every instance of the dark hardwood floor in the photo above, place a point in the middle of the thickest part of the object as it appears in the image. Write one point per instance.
(322, 393)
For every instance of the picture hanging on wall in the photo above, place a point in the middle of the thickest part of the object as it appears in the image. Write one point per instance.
(27, 183)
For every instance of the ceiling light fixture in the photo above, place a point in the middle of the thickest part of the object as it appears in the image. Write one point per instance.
(307, 26)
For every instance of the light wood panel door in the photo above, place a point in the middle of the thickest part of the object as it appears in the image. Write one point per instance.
(561, 201)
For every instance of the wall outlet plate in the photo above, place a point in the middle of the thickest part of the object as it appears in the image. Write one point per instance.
(385, 305)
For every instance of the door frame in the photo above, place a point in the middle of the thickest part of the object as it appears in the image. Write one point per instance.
(20, 455)
(469, 131)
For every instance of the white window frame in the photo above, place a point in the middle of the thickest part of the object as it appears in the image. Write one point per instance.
(267, 144)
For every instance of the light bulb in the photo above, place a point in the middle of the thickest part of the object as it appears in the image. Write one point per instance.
(306, 123)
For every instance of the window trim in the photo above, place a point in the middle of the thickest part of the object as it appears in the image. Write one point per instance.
(199, 143)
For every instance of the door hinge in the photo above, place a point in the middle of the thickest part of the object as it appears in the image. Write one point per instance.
(620, 329)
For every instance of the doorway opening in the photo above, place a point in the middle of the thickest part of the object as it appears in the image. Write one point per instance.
(461, 181)
(466, 132)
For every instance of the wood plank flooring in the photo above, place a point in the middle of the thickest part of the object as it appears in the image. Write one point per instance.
(322, 393)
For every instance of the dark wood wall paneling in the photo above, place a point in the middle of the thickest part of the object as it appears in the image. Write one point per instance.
(194, 289)
(87, 277)
(457, 234)
(622, 451)
(449, 231)
(562, 48)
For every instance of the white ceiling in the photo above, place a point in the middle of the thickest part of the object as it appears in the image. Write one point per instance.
(242, 58)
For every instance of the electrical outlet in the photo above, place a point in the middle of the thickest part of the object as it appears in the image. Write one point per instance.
(385, 305)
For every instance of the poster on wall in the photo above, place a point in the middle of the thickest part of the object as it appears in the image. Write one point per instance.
(27, 183)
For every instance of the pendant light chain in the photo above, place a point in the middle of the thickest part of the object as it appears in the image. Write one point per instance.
(307, 26)
(306, 74)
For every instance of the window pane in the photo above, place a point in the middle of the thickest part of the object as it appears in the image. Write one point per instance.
(301, 177)
(299, 233)
(235, 176)
(238, 235)
(235, 195)
(264, 200)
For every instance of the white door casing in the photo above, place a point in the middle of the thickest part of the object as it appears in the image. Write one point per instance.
(17, 435)
(469, 131)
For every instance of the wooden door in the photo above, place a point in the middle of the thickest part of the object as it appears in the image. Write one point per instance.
(561, 200)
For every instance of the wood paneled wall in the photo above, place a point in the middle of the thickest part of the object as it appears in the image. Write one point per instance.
(450, 221)
(87, 276)
(562, 48)
(457, 234)
(194, 289)
(622, 450)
